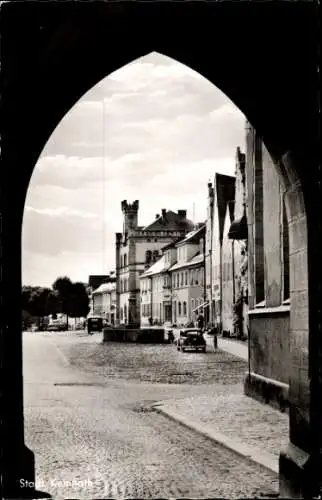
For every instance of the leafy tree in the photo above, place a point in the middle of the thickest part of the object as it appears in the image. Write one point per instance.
(63, 288)
(38, 302)
(73, 297)
(79, 301)
(65, 296)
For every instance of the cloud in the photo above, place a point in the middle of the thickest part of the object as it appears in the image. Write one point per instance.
(61, 212)
(150, 87)
(53, 231)
(67, 264)
(154, 131)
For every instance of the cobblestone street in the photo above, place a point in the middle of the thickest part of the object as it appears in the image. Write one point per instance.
(154, 363)
(89, 421)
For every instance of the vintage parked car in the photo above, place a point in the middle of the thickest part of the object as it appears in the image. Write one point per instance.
(191, 338)
(94, 324)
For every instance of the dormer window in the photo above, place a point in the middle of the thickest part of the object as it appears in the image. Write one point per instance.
(155, 255)
(148, 256)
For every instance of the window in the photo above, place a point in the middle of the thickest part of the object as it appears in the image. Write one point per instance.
(186, 278)
(191, 277)
(125, 260)
(181, 279)
(185, 308)
(179, 308)
(192, 304)
(155, 255)
(177, 280)
(148, 256)
(196, 277)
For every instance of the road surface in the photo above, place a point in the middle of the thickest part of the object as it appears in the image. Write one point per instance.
(95, 435)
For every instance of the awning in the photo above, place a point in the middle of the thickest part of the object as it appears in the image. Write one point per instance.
(205, 304)
(238, 229)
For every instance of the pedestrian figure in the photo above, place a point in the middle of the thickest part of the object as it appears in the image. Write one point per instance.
(200, 321)
(213, 331)
(215, 341)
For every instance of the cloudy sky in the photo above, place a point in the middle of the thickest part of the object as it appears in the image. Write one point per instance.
(155, 131)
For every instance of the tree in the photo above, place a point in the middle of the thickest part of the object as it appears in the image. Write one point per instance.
(63, 288)
(73, 297)
(79, 303)
(38, 302)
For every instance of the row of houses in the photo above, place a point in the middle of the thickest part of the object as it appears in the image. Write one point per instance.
(173, 270)
(232, 268)
(173, 288)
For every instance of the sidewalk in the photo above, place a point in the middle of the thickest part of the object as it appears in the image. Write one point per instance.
(249, 428)
(234, 347)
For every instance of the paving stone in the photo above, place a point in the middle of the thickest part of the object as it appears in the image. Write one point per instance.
(98, 439)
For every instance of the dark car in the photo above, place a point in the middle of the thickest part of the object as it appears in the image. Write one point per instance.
(192, 339)
(94, 324)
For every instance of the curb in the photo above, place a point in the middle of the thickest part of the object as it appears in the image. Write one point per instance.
(260, 457)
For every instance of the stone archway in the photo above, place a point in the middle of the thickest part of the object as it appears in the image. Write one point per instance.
(53, 53)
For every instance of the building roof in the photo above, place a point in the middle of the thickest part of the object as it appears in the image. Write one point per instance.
(193, 236)
(95, 280)
(197, 259)
(170, 221)
(171, 245)
(225, 193)
(158, 267)
(105, 288)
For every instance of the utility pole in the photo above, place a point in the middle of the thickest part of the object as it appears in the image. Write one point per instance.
(103, 186)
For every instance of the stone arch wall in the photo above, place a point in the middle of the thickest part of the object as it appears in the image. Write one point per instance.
(53, 43)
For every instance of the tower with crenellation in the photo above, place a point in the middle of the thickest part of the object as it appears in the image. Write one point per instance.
(137, 247)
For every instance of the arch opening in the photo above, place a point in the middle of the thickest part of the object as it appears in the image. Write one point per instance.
(280, 137)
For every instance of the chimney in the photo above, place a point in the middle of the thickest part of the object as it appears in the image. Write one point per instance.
(157, 216)
(164, 210)
(182, 214)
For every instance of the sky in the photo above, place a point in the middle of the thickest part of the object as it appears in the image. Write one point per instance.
(155, 131)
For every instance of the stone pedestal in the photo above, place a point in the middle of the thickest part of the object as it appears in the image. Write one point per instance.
(138, 335)
(298, 474)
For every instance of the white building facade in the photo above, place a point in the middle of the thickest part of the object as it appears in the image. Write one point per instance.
(172, 290)
(104, 302)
